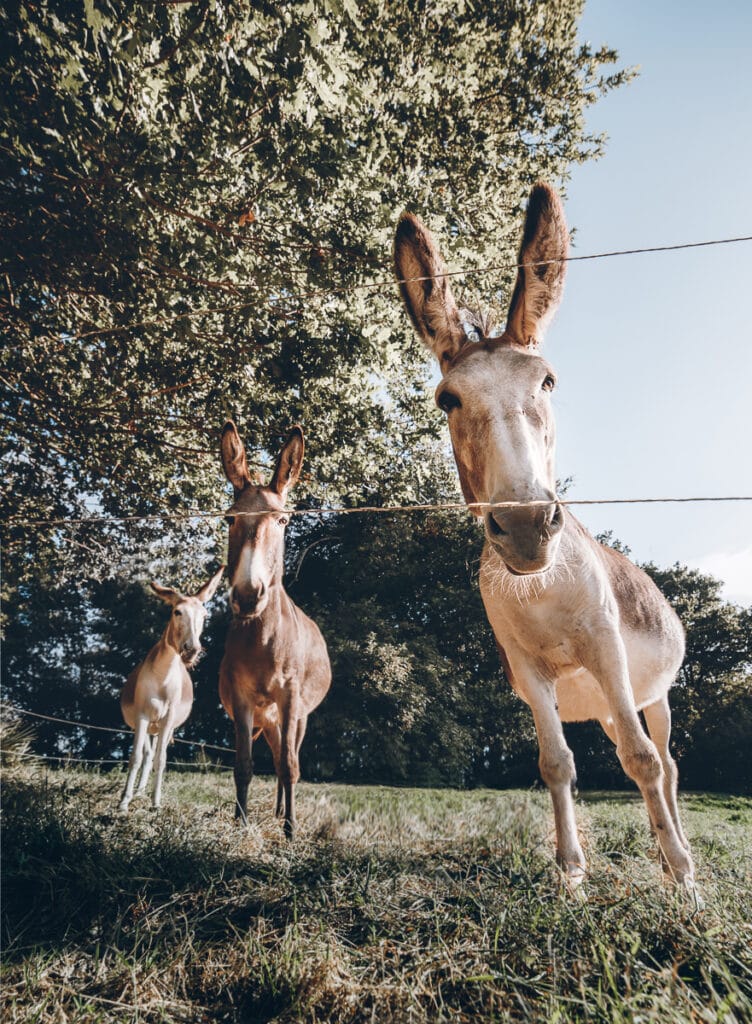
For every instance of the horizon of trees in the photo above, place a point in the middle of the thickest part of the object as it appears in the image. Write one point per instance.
(418, 696)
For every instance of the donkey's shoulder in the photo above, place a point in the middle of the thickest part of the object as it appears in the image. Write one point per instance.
(642, 607)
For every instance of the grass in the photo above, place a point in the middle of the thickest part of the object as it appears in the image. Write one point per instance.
(391, 905)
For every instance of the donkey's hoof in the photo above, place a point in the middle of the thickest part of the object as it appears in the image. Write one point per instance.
(573, 877)
(123, 806)
(696, 902)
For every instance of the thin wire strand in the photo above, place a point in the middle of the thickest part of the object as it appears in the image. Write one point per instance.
(65, 759)
(449, 506)
(107, 728)
(391, 282)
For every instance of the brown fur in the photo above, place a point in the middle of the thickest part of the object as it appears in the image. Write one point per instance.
(275, 670)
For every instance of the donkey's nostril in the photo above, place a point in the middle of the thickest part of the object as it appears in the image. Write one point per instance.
(557, 519)
(495, 529)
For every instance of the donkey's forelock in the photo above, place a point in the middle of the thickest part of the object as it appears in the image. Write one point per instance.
(480, 322)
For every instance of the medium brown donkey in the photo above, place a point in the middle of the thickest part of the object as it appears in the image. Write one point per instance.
(582, 633)
(276, 668)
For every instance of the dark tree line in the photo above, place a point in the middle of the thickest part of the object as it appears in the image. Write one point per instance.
(418, 696)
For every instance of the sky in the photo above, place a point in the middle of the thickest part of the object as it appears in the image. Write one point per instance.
(654, 352)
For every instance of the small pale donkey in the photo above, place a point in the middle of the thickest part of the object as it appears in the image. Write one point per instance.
(158, 695)
(582, 632)
(276, 667)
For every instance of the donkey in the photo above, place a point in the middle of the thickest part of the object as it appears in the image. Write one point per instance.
(582, 633)
(275, 670)
(158, 695)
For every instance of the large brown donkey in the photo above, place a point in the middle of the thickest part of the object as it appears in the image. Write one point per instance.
(276, 668)
(582, 633)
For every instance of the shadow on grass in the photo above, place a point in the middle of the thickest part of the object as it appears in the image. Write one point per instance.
(373, 913)
(75, 875)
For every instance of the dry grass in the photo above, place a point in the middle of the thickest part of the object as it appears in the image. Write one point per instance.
(392, 905)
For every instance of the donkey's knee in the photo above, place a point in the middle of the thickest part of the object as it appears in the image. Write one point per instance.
(641, 762)
(557, 768)
(671, 772)
(289, 775)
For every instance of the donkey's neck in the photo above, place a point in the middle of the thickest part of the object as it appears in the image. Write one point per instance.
(163, 655)
(262, 628)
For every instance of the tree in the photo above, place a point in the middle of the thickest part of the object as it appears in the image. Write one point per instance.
(198, 202)
(190, 197)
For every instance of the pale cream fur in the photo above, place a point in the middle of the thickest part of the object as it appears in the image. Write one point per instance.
(158, 695)
(583, 633)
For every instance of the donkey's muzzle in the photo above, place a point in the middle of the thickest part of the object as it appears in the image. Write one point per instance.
(249, 600)
(523, 536)
(190, 654)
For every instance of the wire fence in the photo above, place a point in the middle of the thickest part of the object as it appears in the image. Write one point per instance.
(197, 514)
(66, 759)
(390, 282)
(106, 728)
(448, 506)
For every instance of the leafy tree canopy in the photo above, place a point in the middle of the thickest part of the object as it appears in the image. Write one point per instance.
(193, 194)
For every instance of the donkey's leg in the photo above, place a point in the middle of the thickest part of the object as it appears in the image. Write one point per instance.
(608, 728)
(140, 740)
(163, 739)
(273, 736)
(243, 717)
(558, 772)
(151, 746)
(658, 720)
(289, 762)
(300, 733)
(606, 659)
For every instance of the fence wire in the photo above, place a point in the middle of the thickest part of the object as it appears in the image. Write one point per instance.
(107, 728)
(448, 506)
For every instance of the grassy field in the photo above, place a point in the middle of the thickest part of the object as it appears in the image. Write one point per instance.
(392, 905)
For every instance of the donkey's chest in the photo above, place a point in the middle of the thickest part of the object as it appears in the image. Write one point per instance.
(164, 683)
(264, 671)
(546, 630)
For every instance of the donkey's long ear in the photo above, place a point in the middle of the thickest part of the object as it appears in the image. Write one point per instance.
(538, 290)
(166, 593)
(289, 463)
(206, 593)
(429, 302)
(233, 457)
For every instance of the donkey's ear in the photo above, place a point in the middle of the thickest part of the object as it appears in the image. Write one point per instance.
(538, 290)
(206, 593)
(233, 457)
(289, 463)
(166, 593)
(429, 301)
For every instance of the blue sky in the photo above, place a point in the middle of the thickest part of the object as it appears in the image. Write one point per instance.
(654, 352)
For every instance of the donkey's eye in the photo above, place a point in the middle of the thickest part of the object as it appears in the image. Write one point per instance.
(447, 401)
(283, 520)
(548, 383)
(229, 520)
(178, 612)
